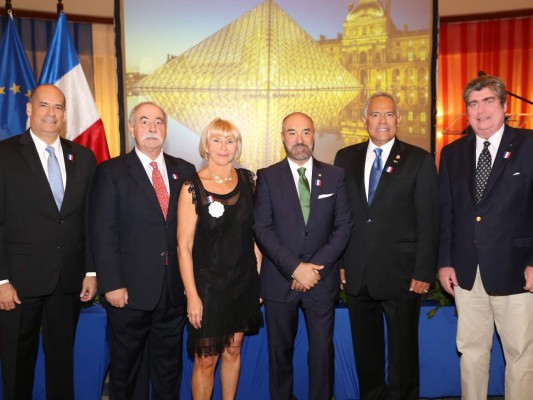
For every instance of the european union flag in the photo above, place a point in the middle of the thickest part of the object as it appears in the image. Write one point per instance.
(16, 83)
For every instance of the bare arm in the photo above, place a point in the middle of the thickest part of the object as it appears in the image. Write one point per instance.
(187, 218)
(258, 257)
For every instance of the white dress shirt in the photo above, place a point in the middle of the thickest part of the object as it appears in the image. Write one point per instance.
(161, 166)
(494, 144)
(43, 155)
(371, 156)
(308, 172)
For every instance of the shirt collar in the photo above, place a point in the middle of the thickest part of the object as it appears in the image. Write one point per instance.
(387, 147)
(145, 160)
(41, 145)
(294, 167)
(494, 140)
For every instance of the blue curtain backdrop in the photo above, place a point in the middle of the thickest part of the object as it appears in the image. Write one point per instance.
(36, 35)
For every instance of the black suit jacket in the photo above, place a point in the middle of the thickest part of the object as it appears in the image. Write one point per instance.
(130, 236)
(394, 239)
(286, 240)
(497, 233)
(38, 243)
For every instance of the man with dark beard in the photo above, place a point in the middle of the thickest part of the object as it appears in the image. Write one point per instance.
(302, 225)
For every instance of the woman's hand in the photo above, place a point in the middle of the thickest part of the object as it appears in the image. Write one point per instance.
(195, 310)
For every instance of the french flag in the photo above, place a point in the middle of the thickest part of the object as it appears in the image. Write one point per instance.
(62, 68)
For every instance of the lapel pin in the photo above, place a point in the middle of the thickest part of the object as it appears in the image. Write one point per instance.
(507, 154)
(318, 180)
(389, 169)
(70, 157)
(174, 176)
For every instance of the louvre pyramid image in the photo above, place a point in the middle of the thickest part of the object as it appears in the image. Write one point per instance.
(254, 71)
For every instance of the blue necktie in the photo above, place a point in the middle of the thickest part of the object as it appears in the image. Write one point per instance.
(54, 177)
(375, 174)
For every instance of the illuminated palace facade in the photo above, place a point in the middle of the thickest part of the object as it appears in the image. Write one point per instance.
(383, 58)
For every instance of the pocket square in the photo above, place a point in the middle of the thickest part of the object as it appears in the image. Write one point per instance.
(323, 196)
(516, 173)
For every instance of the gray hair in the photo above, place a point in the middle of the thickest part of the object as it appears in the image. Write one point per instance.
(381, 94)
(131, 119)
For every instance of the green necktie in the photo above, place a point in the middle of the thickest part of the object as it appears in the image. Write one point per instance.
(305, 193)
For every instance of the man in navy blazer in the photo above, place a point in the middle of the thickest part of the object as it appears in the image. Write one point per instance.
(301, 247)
(45, 265)
(135, 254)
(486, 246)
(391, 257)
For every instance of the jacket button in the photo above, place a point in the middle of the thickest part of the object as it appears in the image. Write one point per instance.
(162, 254)
(478, 219)
(306, 234)
(369, 220)
(59, 221)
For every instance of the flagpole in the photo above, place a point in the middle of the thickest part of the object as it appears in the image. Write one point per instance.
(9, 9)
(59, 7)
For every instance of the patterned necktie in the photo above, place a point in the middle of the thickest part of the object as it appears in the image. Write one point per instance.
(484, 164)
(305, 193)
(54, 177)
(375, 174)
(160, 188)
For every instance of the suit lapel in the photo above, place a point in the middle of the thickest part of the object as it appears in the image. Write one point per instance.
(469, 162)
(139, 175)
(390, 167)
(506, 145)
(173, 179)
(316, 185)
(287, 183)
(29, 152)
(70, 169)
(359, 172)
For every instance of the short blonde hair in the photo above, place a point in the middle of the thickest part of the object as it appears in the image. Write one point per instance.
(220, 127)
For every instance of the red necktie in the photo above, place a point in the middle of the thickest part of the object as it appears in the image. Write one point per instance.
(160, 188)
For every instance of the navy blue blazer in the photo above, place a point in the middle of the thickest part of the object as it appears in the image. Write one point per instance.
(497, 233)
(286, 240)
(131, 238)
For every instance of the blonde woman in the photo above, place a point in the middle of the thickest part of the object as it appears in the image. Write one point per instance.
(218, 261)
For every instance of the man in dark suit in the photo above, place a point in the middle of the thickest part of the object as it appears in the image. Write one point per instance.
(44, 267)
(302, 229)
(133, 231)
(486, 249)
(391, 257)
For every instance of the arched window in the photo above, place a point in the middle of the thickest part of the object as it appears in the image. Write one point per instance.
(363, 77)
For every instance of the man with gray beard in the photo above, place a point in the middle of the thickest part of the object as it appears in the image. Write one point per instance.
(302, 225)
